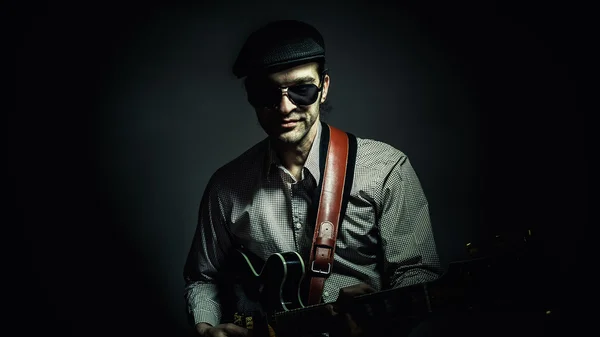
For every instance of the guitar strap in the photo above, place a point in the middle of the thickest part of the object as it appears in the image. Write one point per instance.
(337, 159)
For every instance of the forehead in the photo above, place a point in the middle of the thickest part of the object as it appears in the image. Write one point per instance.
(291, 75)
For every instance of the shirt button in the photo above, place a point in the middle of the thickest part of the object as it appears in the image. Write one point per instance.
(298, 225)
(325, 294)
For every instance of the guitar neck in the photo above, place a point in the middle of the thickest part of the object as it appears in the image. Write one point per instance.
(462, 288)
(409, 302)
(310, 319)
(478, 284)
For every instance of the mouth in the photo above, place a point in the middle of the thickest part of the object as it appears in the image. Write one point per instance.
(289, 123)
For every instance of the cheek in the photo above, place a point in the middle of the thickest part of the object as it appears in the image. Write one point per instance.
(314, 111)
(264, 116)
(261, 113)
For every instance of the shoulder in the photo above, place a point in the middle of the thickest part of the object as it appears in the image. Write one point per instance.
(381, 168)
(377, 156)
(240, 170)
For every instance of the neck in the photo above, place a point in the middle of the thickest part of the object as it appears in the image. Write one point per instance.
(293, 156)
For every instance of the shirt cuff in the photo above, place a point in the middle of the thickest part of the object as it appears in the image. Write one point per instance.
(205, 316)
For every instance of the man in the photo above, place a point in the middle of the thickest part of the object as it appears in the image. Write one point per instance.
(261, 199)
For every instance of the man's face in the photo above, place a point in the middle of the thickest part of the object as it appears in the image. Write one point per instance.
(289, 121)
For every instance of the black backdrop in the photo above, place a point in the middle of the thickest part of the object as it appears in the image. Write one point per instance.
(123, 111)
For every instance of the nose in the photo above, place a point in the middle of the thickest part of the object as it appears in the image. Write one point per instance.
(285, 105)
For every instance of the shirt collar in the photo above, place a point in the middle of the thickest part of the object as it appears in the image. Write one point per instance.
(311, 164)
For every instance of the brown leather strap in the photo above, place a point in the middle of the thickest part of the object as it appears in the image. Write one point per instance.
(328, 214)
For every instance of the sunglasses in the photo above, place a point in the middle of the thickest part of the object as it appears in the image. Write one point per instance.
(270, 96)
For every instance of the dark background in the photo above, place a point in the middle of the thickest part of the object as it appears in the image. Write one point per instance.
(124, 111)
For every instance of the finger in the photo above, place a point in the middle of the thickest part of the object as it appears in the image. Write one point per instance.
(330, 309)
(343, 326)
(367, 289)
(234, 330)
(350, 321)
(355, 290)
(360, 289)
(352, 328)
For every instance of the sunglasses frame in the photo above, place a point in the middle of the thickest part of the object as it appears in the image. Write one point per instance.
(284, 92)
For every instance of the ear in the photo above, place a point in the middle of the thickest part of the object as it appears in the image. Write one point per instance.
(326, 80)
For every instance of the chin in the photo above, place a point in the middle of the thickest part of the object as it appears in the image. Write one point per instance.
(289, 138)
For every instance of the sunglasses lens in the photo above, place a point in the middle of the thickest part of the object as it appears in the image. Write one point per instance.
(264, 97)
(304, 94)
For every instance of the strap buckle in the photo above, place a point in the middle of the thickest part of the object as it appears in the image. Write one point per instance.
(319, 271)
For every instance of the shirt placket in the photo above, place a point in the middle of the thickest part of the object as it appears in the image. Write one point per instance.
(300, 203)
(299, 198)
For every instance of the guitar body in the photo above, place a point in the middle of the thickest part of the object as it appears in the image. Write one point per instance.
(254, 289)
(276, 283)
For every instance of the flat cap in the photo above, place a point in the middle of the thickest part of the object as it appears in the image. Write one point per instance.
(279, 45)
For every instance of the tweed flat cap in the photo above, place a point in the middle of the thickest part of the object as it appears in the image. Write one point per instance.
(279, 45)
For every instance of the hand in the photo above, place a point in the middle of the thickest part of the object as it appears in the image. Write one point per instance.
(344, 325)
(222, 330)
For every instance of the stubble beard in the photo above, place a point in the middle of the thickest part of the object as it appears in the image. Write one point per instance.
(296, 135)
(302, 129)
(301, 132)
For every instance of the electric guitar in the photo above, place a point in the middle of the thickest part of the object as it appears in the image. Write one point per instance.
(499, 281)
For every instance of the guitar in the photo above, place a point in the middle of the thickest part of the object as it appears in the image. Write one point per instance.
(479, 284)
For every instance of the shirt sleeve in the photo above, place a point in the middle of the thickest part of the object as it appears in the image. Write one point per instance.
(206, 255)
(409, 250)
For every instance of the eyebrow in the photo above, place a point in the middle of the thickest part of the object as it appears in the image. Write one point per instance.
(298, 80)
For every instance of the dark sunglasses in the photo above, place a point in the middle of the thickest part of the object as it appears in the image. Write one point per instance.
(301, 94)
(270, 96)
